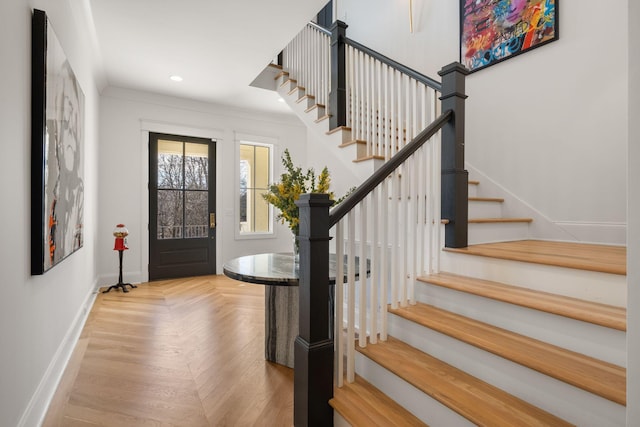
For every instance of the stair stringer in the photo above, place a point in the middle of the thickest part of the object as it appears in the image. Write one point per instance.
(561, 399)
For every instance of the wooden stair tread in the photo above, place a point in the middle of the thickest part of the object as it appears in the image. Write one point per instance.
(479, 402)
(472, 182)
(595, 376)
(352, 142)
(364, 159)
(486, 199)
(338, 129)
(586, 311)
(362, 404)
(497, 220)
(601, 258)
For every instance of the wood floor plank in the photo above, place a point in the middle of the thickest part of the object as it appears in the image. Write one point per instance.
(595, 376)
(182, 352)
(601, 258)
(587, 311)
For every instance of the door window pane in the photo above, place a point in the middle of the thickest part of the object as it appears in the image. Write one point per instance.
(255, 175)
(196, 214)
(170, 214)
(170, 164)
(196, 166)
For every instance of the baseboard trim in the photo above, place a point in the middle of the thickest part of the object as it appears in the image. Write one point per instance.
(39, 404)
(608, 233)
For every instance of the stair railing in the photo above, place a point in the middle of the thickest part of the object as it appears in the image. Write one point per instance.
(381, 101)
(391, 225)
(307, 59)
(393, 228)
(388, 103)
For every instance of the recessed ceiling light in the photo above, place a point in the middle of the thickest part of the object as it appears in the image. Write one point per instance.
(280, 100)
(176, 78)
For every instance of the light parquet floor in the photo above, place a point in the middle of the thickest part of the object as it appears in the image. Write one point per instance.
(184, 352)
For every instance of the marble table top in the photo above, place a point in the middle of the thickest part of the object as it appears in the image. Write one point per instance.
(277, 269)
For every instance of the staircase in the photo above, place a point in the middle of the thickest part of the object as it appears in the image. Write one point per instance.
(483, 350)
(505, 332)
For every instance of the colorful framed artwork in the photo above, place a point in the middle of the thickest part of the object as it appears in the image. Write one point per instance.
(57, 158)
(492, 31)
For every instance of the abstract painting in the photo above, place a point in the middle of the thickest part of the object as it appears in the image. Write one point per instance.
(57, 169)
(492, 31)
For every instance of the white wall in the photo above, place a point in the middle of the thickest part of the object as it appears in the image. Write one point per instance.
(39, 314)
(126, 117)
(549, 125)
(633, 240)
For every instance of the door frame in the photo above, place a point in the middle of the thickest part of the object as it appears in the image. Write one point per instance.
(146, 127)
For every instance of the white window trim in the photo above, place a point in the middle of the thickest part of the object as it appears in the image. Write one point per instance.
(261, 141)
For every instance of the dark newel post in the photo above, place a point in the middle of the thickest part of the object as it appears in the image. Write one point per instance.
(313, 349)
(455, 179)
(338, 94)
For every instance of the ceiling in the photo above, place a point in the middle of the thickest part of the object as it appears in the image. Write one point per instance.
(218, 47)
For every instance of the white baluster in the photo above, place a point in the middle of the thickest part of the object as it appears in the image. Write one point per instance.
(395, 279)
(373, 291)
(413, 227)
(339, 306)
(421, 201)
(384, 258)
(351, 298)
(362, 296)
(404, 230)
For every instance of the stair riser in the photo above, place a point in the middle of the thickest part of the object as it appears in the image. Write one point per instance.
(481, 209)
(316, 113)
(306, 103)
(592, 286)
(497, 232)
(415, 401)
(338, 421)
(473, 190)
(563, 400)
(593, 340)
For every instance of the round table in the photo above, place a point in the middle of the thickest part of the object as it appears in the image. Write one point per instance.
(279, 273)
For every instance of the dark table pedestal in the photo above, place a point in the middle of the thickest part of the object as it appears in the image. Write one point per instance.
(280, 323)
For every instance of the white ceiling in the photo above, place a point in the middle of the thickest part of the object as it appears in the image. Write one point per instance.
(217, 46)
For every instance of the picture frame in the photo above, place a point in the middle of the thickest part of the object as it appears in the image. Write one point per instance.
(57, 151)
(492, 31)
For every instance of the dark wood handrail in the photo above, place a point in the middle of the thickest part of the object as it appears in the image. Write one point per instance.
(386, 169)
(398, 66)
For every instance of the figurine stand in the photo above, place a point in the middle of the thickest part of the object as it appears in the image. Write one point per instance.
(120, 283)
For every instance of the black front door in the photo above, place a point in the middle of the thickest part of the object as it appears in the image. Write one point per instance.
(181, 206)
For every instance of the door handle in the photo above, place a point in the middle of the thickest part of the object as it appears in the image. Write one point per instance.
(212, 220)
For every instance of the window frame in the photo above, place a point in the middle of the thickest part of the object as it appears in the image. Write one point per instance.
(258, 141)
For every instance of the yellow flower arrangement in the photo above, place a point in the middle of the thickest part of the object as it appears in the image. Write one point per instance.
(293, 183)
